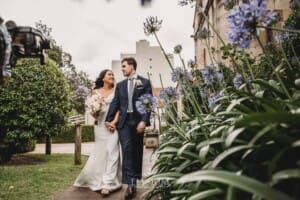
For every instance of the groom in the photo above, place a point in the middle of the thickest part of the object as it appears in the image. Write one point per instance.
(131, 124)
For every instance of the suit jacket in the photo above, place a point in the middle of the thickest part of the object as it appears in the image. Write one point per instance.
(120, 101)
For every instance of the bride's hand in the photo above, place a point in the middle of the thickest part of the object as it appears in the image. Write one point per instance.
(110, 126)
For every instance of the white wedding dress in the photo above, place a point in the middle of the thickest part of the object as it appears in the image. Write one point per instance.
(103, 167)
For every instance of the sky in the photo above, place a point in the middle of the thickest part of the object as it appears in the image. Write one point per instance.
(95, 32)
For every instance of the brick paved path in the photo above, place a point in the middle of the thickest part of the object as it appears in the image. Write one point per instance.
(74, 193)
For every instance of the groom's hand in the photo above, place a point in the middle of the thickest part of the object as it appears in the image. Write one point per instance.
(111, 127)
(141, 127)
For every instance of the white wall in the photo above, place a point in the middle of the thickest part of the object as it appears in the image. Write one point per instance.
(150, 62)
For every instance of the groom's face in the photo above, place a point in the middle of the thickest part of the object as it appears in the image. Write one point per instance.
(127, 69)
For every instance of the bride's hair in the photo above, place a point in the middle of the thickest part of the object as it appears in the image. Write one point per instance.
(99, 81)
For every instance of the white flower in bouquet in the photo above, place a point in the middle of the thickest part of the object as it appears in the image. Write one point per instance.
(95, 104)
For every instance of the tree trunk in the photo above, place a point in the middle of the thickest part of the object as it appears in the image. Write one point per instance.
(78, 145)
(48, 145)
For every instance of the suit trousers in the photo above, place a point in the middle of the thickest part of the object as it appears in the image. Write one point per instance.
(132, 151)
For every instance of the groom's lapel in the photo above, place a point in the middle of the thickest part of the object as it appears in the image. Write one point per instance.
(126, 88)
(135, 88)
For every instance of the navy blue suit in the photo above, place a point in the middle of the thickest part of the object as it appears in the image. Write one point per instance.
(131, 141)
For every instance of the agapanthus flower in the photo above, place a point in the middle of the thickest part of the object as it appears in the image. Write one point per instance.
(237, 80)
(203, 33)
(181, 74)
(185, 2)
(146, 104)
(294, 4)
(213, 98)
(244, 19)
(204, 92)
(152, 25)
(211, 74)
(177, 49)
(169, 94)
(191, 64)
(271, 18)
(287, 36)
(228, 4)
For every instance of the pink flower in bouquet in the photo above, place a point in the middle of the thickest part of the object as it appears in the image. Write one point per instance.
(95, 103)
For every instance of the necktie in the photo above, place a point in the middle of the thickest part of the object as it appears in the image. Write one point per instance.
(130, 94)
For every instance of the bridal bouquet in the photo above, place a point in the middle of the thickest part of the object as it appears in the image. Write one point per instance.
(95, 104)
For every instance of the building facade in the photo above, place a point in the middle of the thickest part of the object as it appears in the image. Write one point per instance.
(151, 64)
(217, 15)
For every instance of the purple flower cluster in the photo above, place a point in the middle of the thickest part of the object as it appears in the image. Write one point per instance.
(169, 94)
(237, 80)
(294, 4)
(181, 74)
(213, 98)
(286, 36)
(204, 92)
(271, 18)
(152, 25)
(211, 74)
(244, 19)
(146, 104)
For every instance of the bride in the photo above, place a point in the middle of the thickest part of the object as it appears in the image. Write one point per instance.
(102, 170)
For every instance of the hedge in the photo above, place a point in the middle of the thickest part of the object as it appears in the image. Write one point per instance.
(68, 136)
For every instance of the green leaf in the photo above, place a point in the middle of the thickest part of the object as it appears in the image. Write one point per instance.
(163, 176)
(180, 192)
(232, 135)
(235, 102)
(227, 153)
(206, 194)
(262, 133)
(239, 181)
(193, 129)
(270, 118)
(217, 130)
(296, 143)
(271, 85)
(203, 152)
(182, 149)
(209, 142)
(285, 174)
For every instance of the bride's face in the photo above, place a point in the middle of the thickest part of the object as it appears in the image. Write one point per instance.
(109, 78)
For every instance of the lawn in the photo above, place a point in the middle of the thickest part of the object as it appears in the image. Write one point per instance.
(40, 180)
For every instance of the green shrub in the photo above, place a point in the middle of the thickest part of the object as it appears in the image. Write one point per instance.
(35, 102)
(68, 135)
(26, 146)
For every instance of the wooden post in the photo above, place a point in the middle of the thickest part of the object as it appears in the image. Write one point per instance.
(48, 145)
(78, 144)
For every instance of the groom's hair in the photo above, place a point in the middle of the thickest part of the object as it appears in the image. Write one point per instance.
(130, 61)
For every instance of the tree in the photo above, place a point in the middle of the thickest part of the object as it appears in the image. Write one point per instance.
(79, 82)
(35, 103)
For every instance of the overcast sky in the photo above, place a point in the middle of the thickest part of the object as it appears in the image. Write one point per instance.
(95, 32)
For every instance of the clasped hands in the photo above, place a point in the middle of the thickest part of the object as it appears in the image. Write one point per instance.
(112, 126)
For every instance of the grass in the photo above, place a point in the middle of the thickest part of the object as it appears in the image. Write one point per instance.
(55, 174)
